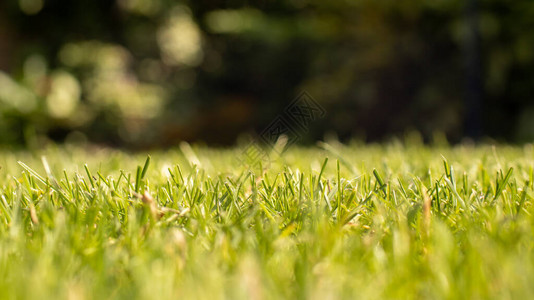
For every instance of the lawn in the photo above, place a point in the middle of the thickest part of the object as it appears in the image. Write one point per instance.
(325, 222)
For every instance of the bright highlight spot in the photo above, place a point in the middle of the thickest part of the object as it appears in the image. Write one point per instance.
(180, 40)
(15, 95)
(64, 95)
(31, 7)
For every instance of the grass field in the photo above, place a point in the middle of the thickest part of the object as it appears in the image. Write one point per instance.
(329, 222)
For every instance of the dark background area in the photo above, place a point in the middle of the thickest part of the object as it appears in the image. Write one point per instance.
(150, 73)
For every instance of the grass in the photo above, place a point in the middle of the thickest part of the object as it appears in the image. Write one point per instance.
(335, 222)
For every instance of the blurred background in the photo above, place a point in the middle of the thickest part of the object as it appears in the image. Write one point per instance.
(151, 73)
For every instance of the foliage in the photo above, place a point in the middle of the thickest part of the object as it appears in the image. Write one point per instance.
(354, 221)
(153, 72)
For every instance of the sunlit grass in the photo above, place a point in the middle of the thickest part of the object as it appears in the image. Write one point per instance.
(358, 221)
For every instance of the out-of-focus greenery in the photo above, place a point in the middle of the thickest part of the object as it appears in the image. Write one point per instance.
(152, 72)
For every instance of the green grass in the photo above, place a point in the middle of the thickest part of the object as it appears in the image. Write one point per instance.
(336, 222)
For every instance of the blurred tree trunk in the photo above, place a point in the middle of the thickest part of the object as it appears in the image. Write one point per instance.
(474, 85)
(6, 42)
